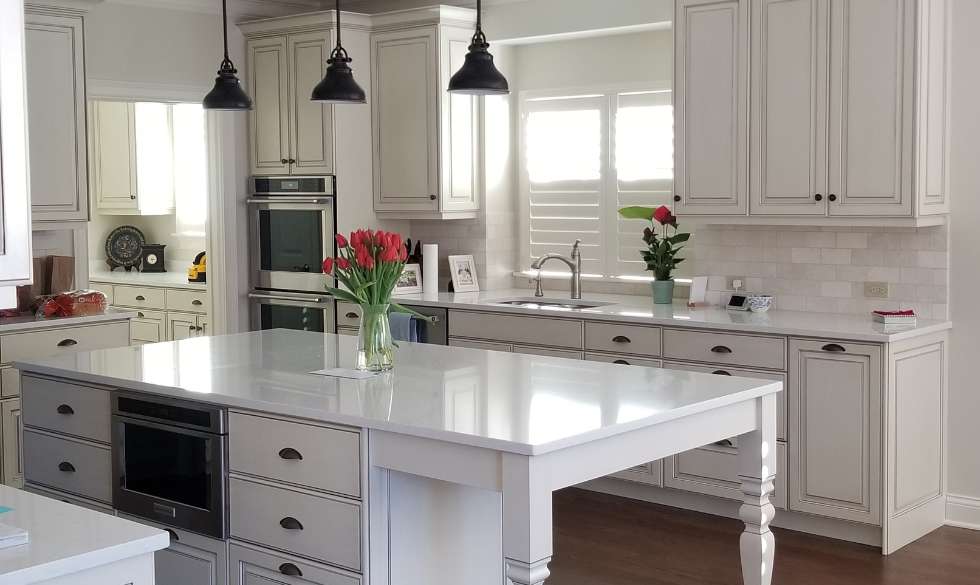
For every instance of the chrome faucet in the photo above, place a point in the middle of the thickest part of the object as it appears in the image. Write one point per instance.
(574, 263)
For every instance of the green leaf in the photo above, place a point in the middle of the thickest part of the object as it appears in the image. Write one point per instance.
(344, 295)
(395, 307)
(680, 238)
(636, 212)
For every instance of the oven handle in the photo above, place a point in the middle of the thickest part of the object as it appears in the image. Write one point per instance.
(266, 201)
(174, 428)
(261, 296)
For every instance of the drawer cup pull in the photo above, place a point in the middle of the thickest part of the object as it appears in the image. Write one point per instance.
(140, 298)
(197, 302)
(174, 537)
(721, 373)
(290, 570)
(834, 347)
(290, 523)
(721, 349)
(66, 467)
(621, 339)
(351, 315)
(622, 362)
(65, 409)
(140, 315)
(67, 343)
(724, 443)
(290, 453)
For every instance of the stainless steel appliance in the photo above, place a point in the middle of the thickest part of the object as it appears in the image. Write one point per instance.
(301, 311)
(293, 227)
(435, 332)
(169, 462)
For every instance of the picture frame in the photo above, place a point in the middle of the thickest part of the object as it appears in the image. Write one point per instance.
(463, 271)
(410, 281)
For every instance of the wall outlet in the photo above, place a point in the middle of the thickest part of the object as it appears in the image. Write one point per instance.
(736, 283)
(876, 290)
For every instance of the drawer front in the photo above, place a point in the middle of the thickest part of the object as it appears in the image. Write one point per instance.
(50, 342)
(192, 301)
(347, 331)
(348, 315)
(487, 345)
(191, 559)
(83, 469)
(149, 327)
(66, 408)
(725, 348)
(310, 456)
(626, 360)
(619, 338)
(726, 371)
(272, 516)
(516, 329)
(69, 499)
(104, 288)
(713, 470)
(253, 566)
(651, 473)
(548, 352)
(140, 297)
(9, 382)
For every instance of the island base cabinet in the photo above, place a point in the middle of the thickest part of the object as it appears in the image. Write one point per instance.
(251, 565)
(11, 429)
(191, 559)
(132, 571)
(713, 470)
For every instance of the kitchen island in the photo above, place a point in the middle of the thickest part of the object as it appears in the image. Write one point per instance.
(440, 471)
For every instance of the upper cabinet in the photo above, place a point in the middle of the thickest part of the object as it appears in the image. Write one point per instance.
(848, 115)
(56, 114)
(288, 133)
(425, 139)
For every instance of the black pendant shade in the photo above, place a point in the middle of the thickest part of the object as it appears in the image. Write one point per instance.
(227, 93)
(338, 85)
(478, 75)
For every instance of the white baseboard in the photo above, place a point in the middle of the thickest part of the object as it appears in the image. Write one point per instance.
(963, 511)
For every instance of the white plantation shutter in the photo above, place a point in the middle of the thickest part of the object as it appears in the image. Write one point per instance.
(583, 157)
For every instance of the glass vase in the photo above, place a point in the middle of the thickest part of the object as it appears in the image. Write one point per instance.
(375, 346)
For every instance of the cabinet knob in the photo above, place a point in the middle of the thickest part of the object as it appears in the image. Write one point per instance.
(818, 197)
(834, 347)
(290, 523)
(132, 197)
(284, 161)
(621, 339)
(292, 161)
(140, 314)
(721, 349)
(197, 302)
(432, 197)
(290, 453)
(65, 409)
(832, 197)
(67, 343)
(677, 198)
(721, 373)
(290, 570)
(66, 467)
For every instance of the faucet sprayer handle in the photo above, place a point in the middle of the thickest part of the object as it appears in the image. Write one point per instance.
(575, 247)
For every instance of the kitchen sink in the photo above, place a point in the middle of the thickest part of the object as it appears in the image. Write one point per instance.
(544, 303)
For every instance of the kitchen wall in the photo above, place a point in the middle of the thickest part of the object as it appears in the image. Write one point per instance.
(158, 229)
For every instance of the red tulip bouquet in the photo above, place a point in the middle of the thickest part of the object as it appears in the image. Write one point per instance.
(368, 265)
(662, 248)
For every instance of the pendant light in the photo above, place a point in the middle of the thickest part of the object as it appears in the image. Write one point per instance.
(338, 85)
(227, 93)
(478, 75)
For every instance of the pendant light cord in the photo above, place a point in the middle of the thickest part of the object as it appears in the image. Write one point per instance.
(479, 16)
(338, 25)
(226, 65)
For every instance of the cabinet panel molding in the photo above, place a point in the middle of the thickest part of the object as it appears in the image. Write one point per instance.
(268, 128)
(311, 135)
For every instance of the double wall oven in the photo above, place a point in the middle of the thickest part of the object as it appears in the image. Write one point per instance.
(292, 229)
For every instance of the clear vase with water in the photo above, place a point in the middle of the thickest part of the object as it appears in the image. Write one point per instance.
(375, 346)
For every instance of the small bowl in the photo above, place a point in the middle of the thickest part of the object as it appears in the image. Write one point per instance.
(760, 303)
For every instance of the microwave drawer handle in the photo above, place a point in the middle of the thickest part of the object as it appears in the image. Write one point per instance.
(290, 570)
(290, 523)
(66, 467)
(290, 453)
(65, 409)
(174, 537)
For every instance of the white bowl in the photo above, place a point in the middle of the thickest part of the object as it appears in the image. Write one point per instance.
(760, 303)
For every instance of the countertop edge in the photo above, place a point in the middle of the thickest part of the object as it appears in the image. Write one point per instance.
(107, 317)
(89, 560)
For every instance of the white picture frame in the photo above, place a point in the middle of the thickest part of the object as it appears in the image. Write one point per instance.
(463, 271)
(410, 281)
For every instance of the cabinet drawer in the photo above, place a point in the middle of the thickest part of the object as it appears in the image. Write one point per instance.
(49, 342)
(254, 566)
(84, 469)
(193, 301)
(141, 297)
(69, 499)
(561, 353)
(9, 382)
(352, 331)
(725, 348)
(191, 558)
(104, 288)
(626, 360)
(311, 456)
(651, 473)
(619, 338)
(66, 408)
(272, 516)
(726, 371)
(487, 345)
(516, 329)
(149, 327)
(348, 315)
(713, 470)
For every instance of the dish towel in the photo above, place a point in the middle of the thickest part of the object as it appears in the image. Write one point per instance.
(403, 327)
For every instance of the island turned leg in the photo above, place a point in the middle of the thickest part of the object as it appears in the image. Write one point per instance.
(526, 521)
(757, 470)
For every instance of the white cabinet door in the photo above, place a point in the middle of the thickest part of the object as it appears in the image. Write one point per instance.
(114, 155)
(835, 429)
(181, 326)
(203, 328)
(405, 109)
(460, 116)
(11, 428)
(56, 117)
(871, 93)
(268, 86)
(711, 109)
(310, 123)
(789, 107)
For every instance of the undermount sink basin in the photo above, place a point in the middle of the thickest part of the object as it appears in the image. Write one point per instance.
(545, 303)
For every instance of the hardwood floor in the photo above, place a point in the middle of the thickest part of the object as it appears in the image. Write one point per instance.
(606, 540)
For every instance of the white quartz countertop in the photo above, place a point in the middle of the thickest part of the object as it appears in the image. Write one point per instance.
(67, 539)
(512, 402)
(639, 309)
(173, 279)
(28, 322)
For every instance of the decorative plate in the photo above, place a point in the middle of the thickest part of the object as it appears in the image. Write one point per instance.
(124, 246)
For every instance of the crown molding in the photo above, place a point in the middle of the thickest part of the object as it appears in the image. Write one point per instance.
(73, 7)
(243, 8)
(116, 90)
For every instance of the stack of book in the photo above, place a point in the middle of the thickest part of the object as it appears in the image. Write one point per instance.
(906, 317)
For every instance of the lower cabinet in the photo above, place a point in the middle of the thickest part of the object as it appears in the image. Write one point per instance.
(186, 325)
(191, 559)
(250, 565)
(148, 327)
(11, 430)
(713, 470)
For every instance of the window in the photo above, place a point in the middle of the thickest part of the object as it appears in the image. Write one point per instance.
(190, 169)
(584, 157)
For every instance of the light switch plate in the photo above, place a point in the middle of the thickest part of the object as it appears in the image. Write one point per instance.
(876, 290)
